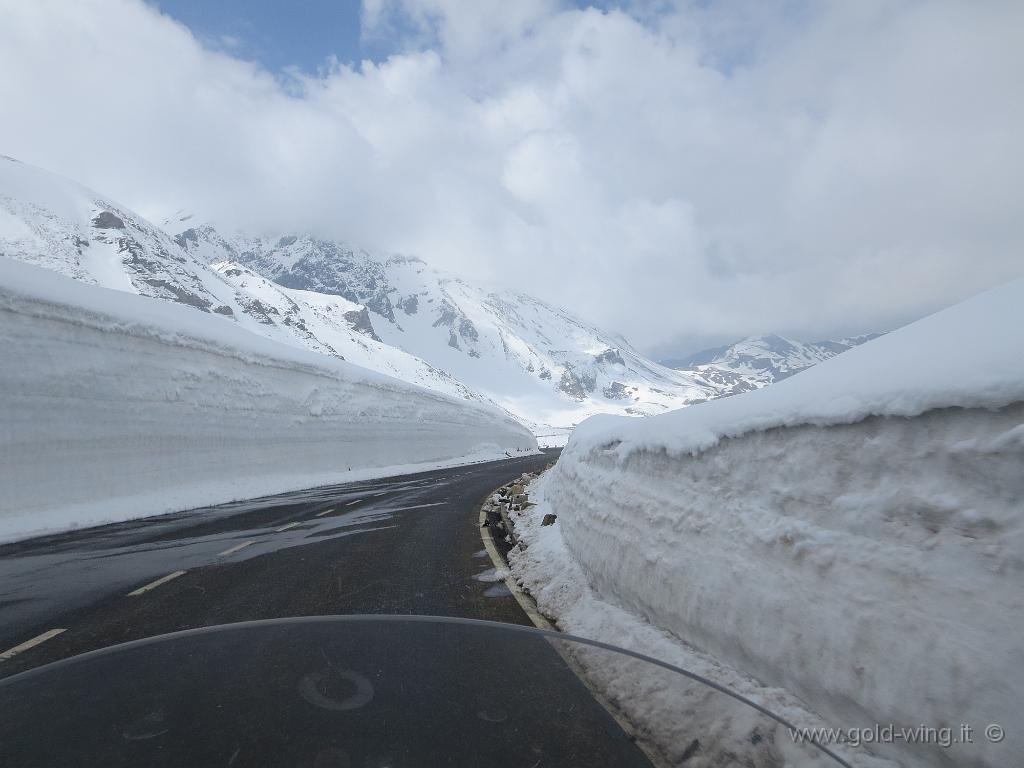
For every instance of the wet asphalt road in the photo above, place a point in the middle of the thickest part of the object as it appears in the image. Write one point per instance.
(403, 545)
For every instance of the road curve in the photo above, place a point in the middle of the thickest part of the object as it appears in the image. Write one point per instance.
(401, 545)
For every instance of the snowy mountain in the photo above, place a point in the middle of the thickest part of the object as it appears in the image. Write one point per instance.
(55, 223)
(757, 361)
(391, 314)
(546, 367)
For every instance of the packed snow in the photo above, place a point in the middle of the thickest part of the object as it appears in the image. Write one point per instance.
(669, 712)
(116, 406)
(852, 535)
(968, 356)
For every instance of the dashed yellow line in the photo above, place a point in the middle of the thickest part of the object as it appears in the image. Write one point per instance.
(353, 502)
(157, 583)
(325, 512)
(289, 526)
(12, 652)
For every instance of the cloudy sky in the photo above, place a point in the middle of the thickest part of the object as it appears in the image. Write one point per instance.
(682, 172)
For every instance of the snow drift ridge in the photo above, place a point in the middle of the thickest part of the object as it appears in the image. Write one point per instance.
(119, 406)
(970, 355)
(854, 534)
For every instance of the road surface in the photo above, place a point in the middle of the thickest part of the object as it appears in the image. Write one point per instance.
(404, 545)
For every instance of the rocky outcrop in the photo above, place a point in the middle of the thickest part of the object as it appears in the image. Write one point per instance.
(467, 330)
(107, 220)
(359, 320)
(761, 360)
(324, 266)
(460, 328)
(186, 238)
(410, 304)
(617, 391)
(610, 356)
(446, 315)
(576, 384)
(257, 309)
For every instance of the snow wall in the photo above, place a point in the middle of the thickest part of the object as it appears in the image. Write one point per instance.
(854, 534)
(115, 406)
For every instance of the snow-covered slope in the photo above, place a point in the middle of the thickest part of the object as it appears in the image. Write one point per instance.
(53, 222)
(854, 534)
(118, 406)
(394, 315)
(758, 361)
(904, 373)
(531, 358)
(538, 362)
(331, 325)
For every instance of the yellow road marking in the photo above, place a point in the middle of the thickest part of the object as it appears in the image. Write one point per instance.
(541, 621)
(538, 619)
(353, 502)
(11, 653)
(235, 548)
(157, 583)
(325, 512)
(286, 527)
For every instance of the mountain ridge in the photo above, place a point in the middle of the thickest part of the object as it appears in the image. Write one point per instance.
(533, 359)
(390, 313)
(762, 360)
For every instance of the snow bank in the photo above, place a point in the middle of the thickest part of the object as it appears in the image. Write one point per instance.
(114, 406)
(854, 534)
(669, 712)
(970, 356)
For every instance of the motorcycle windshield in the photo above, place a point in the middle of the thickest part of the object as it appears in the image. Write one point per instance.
(380, 691)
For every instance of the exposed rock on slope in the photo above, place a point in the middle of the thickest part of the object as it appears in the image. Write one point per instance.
(392, 314)
(760, 360)
(538, 362)
(55, 223)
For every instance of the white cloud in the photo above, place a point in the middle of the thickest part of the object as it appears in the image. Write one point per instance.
(463, 30)
(689, 169)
